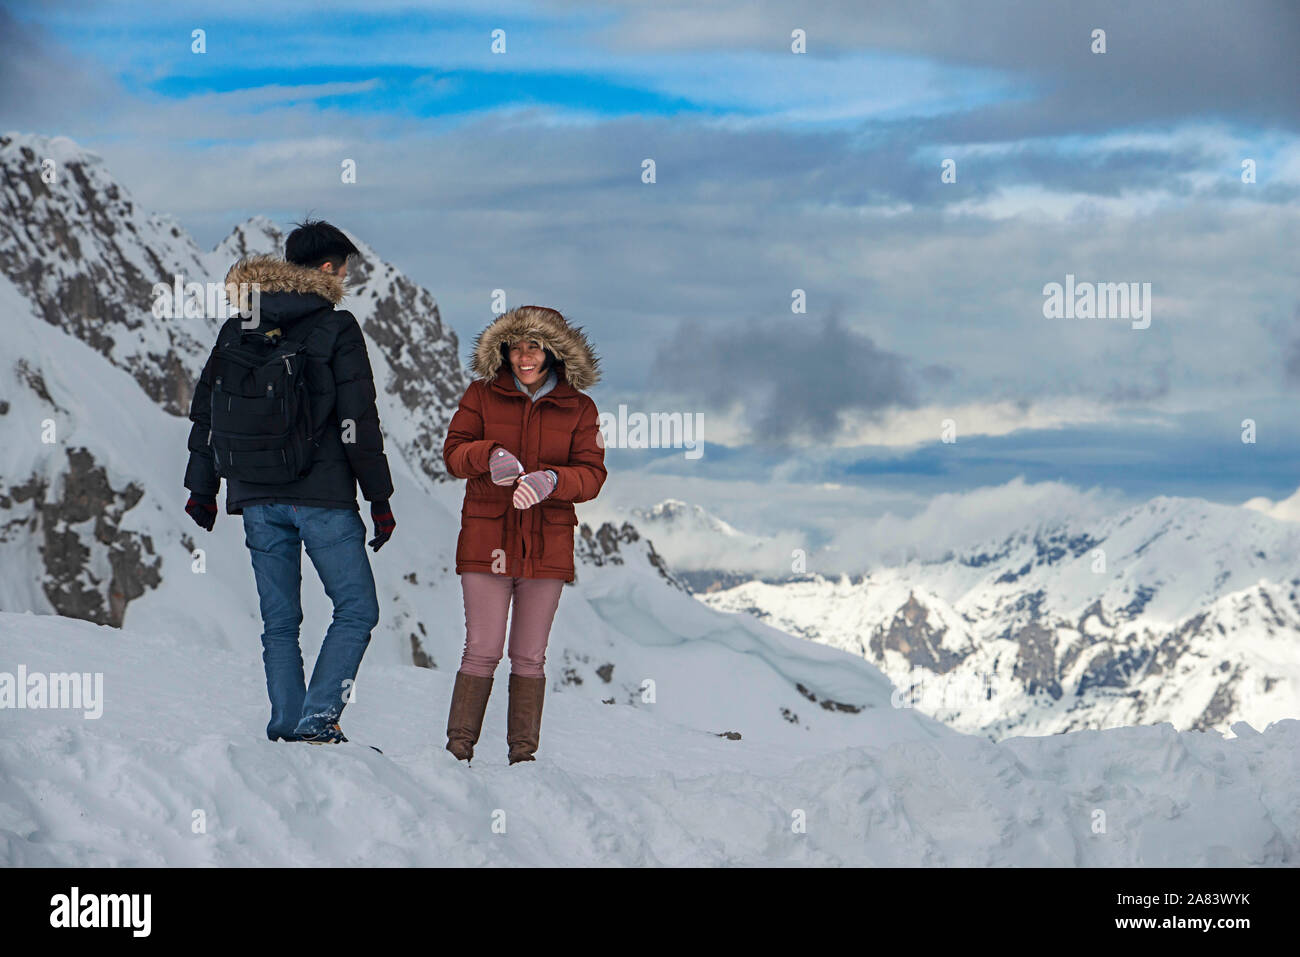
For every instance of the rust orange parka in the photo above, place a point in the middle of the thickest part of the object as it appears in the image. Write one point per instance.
(559, 431)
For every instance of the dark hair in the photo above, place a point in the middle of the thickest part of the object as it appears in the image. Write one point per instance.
(315, 242)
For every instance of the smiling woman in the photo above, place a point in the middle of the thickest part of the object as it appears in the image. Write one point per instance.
(523, 436)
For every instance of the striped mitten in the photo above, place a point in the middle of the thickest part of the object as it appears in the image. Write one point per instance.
(505, 468)
(534, 487)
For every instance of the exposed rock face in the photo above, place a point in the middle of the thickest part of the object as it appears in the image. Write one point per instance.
(424, 368)
(911, 634)
(1036, 660)
(826, 703)
(92, 566)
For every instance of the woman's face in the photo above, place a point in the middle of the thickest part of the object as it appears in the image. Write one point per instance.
(526, 358)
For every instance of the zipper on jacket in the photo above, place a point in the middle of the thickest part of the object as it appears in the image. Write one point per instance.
(528, 411)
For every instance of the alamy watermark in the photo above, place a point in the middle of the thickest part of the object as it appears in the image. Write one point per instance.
(81, 691)
(653, 430)
(204, 300)
(1101, 300)
(933, 694)
(75, 909)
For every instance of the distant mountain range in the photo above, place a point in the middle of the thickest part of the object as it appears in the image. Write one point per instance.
(1176, 610)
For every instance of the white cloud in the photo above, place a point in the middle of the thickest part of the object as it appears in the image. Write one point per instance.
(1285, 509)
(908, 427)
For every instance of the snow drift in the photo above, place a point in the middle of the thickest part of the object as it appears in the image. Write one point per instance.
(176, 771)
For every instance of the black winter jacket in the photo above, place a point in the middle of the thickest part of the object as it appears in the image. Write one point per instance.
(300, 301)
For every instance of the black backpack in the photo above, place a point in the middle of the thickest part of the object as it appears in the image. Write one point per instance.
(261, 410)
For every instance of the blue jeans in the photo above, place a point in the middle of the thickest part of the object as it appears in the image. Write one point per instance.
(336, 544)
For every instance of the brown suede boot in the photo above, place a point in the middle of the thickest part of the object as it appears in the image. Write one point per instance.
(524, 716)
(469, 700)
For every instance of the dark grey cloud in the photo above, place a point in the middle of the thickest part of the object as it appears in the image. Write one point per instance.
(1140, 391)
(793, 378)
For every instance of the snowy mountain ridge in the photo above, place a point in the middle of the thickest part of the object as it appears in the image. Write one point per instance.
(1174, 610)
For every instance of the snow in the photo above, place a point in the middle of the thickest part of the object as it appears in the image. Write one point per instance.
(613, 784)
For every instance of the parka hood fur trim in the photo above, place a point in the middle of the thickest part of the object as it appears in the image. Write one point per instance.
(548, 327)
(273, 274)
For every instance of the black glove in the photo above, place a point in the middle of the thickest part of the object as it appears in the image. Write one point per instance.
(382, 516)
(203, 509)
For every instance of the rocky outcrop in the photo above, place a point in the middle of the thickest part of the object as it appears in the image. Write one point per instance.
(606, 546)
(425, 375)
(912, 635)
(92, 567)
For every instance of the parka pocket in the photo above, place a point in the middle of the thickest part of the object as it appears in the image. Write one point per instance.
(557, 536)
(485, 507)
(482, 530)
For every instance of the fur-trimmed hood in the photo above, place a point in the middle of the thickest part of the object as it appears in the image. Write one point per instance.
(273, 274)
(548, 327)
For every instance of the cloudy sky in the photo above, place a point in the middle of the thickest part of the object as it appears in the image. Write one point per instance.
(778, 171)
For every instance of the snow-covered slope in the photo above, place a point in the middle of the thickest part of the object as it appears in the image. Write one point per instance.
(1176, 610)
(176, 772)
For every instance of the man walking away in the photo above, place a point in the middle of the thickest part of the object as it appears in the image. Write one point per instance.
(285, 413)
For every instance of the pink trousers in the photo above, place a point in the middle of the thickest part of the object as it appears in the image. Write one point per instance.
(487, 598)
